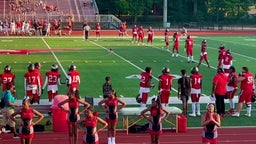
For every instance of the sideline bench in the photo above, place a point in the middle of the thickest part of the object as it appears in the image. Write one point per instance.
(135, 111)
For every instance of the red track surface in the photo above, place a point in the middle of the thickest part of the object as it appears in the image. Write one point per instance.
(192, 136)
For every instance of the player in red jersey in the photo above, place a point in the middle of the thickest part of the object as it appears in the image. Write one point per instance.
(26, 129)
(110, 106)
(97, 29)
(121, 31)
(203, 55)
(32, 84)
(38, 67)
(176, 41)
(196, 86)
(134, 34)
(90, 123)
(164, 86)
(226, 61)
(222, 52)
(150, 35)
(155, 119)
(52, 79)
(167, 39)
(145, 85)
(73, 79)
(189, 43)
(7, 77)
(247, 86)
(140, 35)
(232, 88)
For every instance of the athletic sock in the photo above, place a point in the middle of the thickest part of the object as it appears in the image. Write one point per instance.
(198, 107)
(231, 103)
(113, 140)
(249, 109)
(109, 140)
(193, 108)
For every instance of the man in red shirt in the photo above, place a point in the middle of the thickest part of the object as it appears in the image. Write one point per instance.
(145, 85)
(140, 35)
(189, 43)
(97, 29)
(232, 88)
(150, 35)
(226, 61)
(52, 79)
(6, 77)
(32, 84)
(134, 33)
(203, 55)
(73, 79)
(176, 41)
(164, 86)
(219, 90)
(196, 86)
(247, 86)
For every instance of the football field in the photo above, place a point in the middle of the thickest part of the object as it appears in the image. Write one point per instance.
(118, 58)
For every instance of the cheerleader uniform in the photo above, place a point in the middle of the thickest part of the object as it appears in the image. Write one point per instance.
(111, 114)
(26, 130)
(210, 131)
(73, 111)
(90, 124)
(155, 125)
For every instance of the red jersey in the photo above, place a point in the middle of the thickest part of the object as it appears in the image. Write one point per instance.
(6, 78)
(220, 81)
(222, 52)
(141, 32)
(165, 82)
(176, 39)
(232, 79)
(145, 79)
(203, 48)
(73, 103)
(52, 77)
(247, 83)
(150, 33)
(227, 59)
(135, 30)
(189, 43)
(91, 122)
(32, 78)
(40, 76)
(26, 114)
(98, 27)
(74, 78)
(166, 37)
(196, 81)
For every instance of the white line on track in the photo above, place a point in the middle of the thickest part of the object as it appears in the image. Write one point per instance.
(55, 57)
(126, 61)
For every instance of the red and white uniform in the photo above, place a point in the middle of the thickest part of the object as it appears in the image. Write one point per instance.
(144, 86)
(40, 76)
(196, 85)
(73, 80)
(140, 35)
(121, 31)
(6, 77)
(203, 55)
(52, 79)
(222, 52)
(176, 41)
(232, 85)
(246, 88)
(210, 133)
(150, 35)
(155, 124)
(90, 124)
(111, 107)
(134, 33)
(189, 43)
(73, 110)
(167, 39)
(98, 28)
(26, 130)
(32, 85)
(226, 62)
(165, 84)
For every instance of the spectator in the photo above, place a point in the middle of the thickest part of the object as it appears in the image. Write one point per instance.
(86, 29)
(184, 90)
(210, 121)
(8, 110)
(107, 87)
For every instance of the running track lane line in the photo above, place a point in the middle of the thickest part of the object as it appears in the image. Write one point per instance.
(54, 56)
(126, 61)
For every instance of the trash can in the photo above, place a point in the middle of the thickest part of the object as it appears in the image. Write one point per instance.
(59, 117)
(182, 123)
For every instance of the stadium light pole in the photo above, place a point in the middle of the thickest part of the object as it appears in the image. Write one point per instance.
(164, 13)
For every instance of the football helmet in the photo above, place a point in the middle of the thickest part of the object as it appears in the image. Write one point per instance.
(72, 67)
(189, 36)
(194, 70)
(221, 46)
(54, 67)
(165, 70)
(31, 67)
(204, 41)
(7, 68)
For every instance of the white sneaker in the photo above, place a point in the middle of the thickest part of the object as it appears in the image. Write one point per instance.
(192, 115)
(173, 55)
(248, 115)
(177, 55)
(198, 113)
(235, 114)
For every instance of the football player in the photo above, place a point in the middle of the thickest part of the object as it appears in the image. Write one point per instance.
(7, 77)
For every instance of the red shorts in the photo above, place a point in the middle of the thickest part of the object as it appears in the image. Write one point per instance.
(151, 132)
(203, 57)
(144, 98)
(164, 96)
(134, 35)
(150, 39)
(189, 52)
(176, 47)
(195, 97)
(167, 43)
(245, 96)
(210, 141)
(231, 94)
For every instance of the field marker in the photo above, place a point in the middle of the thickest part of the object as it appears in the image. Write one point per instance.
(55, 57)
(127, 61)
